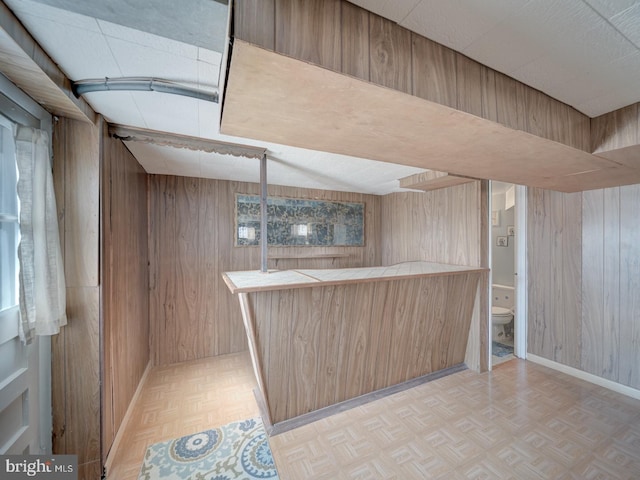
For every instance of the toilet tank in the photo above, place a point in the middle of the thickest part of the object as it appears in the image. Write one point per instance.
(502, 296)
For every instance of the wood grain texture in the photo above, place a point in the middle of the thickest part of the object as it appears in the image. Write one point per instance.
(193, 315)
(78, 148)
(387, 125)
(616, 130)
(75, 360)
(355, 41)
(588, 318)
(434, 71)
(254, 22)
(390, 54)
(629, 356)
(125, 283)
(315, 360)
(82, 374)
(309, 31)
(469, 85)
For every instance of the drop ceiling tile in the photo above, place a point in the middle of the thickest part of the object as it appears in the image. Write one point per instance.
(52, 14)
(116, 107)
(609, 8)
(137, 60)
(208, 75)
(169, 113)
(393, 10)
(610, 101)
(473, 18)
(79, 52)
(150, 40)
(209, 56)
(628, 22)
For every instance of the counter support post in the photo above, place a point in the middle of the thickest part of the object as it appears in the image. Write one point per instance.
(263, 214)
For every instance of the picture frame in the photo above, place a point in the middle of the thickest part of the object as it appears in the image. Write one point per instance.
(495, 218)
(502, 241)
(511, 230)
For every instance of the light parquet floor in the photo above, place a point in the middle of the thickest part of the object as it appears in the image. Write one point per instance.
(185, 398)
(521, 421)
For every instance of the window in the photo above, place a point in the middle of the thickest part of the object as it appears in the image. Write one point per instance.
(9, 229)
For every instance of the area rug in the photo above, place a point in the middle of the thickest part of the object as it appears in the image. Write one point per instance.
(500, 349)
(237, 451)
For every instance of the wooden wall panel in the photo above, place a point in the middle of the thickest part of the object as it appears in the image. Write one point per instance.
(75, 351)
(390, 54)
(254, 22)
(615, 130)
(434, 71)
(588, 320)
(193, 315)
(355, 41)
(425, 319)
(442, 226)
(629, 352)
(309, 31)
(125, 282)
(346, 38)
(469, 85)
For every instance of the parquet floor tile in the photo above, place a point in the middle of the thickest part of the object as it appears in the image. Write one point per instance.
(521, 421)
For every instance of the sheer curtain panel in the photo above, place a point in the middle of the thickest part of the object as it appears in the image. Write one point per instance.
(42, 285)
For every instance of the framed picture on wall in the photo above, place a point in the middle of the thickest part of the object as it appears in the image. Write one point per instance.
(511, 230)
(502, 241)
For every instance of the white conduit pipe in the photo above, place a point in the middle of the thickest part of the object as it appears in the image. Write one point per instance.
(141, 84)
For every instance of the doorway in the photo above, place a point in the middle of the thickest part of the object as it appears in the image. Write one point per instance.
(507, 254)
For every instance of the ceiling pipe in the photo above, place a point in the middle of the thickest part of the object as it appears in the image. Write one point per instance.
(141, 84)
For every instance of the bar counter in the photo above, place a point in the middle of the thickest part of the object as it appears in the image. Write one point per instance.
(320, 337)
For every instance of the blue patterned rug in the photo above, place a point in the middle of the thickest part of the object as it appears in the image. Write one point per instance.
(237, 451)
(500, 349)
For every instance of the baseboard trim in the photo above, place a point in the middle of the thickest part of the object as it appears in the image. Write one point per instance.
(125, 421)
(588, 377)
(316, 415)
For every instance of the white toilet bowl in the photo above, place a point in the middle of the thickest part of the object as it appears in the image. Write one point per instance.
(500, 317)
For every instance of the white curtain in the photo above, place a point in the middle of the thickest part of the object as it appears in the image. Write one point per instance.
(42, 285)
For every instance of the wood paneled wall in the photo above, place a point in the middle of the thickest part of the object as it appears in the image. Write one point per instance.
(443, 226)
(584, 271)
(191, 243)
(75, 351)
(616, 130)
(125, 283)
(323, 345)
(342, 37)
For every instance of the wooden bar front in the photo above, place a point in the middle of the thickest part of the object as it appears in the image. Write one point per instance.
(320, 337)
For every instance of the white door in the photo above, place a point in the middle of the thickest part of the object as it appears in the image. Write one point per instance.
(24, 421)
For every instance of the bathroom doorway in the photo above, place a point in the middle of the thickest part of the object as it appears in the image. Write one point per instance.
(508, 277)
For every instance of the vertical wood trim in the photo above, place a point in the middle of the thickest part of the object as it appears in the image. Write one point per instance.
(484, 288)
(355, 41)
(390, 54)
(309, 31)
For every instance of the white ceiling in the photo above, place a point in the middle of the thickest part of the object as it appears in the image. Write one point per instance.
(582, 52)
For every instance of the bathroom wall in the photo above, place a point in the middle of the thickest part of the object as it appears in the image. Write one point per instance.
(503, 258)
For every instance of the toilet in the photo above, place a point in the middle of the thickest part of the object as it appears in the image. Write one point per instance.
(500, 316)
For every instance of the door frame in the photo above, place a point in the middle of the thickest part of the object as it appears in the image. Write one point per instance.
(520, 274)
